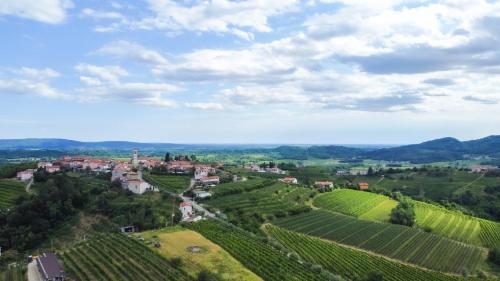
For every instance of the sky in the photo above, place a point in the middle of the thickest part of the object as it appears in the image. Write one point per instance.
(255, 71)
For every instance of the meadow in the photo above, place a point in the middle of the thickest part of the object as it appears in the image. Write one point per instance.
(113, 257)
(403, 243)
(347, 262)
(175, 243)
(10, 190)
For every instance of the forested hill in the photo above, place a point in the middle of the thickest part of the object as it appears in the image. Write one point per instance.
(445, 149)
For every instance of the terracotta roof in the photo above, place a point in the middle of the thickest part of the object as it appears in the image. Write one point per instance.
(185, 204)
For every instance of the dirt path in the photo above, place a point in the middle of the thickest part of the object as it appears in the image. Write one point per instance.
(28, 186)
(464, 188)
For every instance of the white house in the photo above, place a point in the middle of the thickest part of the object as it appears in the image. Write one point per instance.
(25, 175)
(210, 180)
(137, 186)
(200, 173)
(186, 210)
(289, 180)
(323, 184)
(201, 194)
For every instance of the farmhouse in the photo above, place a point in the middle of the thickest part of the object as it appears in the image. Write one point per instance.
(289, 180)
(186, 210)
(274, 170)
(363, 186)
(52, 169)
(180, 167)
(323, 184)
(358, 171)
(212, 180)
(25, 175)
(49, 267)
(135, 183)
(484, 169)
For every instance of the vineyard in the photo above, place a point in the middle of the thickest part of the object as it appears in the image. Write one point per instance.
(356, 203)
(490, 233)
(254, 254)
(175, 184)
(406, 244)
(272, 199)
(349, 263)
(240, 187)
(116, 257)
(10, 190)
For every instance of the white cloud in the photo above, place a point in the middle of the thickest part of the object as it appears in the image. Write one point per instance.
(110, 73)
(205, 105)
(47, 11)
(91, 13)
(240, 18)
(37, 73)
(125, 49)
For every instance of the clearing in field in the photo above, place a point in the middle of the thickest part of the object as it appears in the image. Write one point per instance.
(10, 190)
(361, 204)
(198, 253)
(175, 184)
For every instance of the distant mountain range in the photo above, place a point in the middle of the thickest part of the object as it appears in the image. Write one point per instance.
(445, 149)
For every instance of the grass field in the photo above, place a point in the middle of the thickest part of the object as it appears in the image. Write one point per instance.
(360, 204)
(113, 257)
(265, 261)
(175, 243)
(347, 262)
(9, 191)
(272, 199)
(175, 184)
(406, 244)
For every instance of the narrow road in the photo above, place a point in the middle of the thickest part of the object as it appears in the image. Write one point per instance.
(28, 186)
(33, 273)
(464, 188)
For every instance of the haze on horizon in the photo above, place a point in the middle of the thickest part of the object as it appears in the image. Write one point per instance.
(220, 71)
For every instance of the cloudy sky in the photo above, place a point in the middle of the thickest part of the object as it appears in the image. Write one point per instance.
(255, 71)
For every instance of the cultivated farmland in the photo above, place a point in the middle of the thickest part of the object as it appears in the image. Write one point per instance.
(9, 191)
(356, 203)
(117, 257)
(347, 262)
(399, 242)
(175, 184)
(271, 199)
(259, 257)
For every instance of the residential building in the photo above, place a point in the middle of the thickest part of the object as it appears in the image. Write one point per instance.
(363, 185)
(52, 169)
(323, 184)
(201, 194)
(211, 180)
(49, 267)
(25, 175)
(289, 180)
(186, 210)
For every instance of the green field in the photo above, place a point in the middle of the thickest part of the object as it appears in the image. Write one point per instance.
(360, 204)
(240, 187)
(406, 244)
(10, 190)
(113, 257)
(259, 257)
(175, 184)
(347, 262)
(271, 199)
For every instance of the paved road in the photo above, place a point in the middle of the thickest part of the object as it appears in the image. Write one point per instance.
(33, 274)
(197, 207)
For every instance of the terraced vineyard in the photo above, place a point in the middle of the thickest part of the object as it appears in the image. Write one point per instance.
(490, 233)
(448, 223)
(356, 203)
(259, 257)
(10, 190)
(406, 244)
(117, 257)
(175, 184)
(271, 199)
(349, 263)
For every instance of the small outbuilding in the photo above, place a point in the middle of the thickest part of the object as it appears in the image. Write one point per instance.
(363, 185)
(49, 267)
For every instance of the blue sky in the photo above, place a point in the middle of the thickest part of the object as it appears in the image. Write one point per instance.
(220, 71)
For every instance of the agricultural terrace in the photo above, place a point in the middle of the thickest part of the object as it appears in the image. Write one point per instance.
(403, 243)
(272, 199)
(116, 257)
(175, 184)
(364, 205)
(179, 242)
(347, 262)
(261, 258)
(10, 190)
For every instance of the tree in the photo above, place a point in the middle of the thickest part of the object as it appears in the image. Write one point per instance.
(403, 214)
(370, 171)
(494, 256)
(168, 158)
